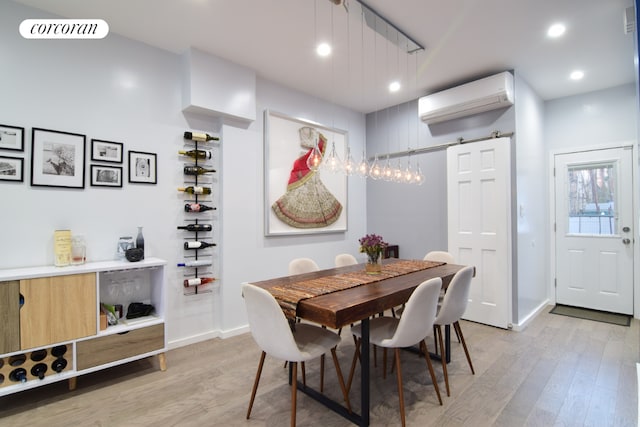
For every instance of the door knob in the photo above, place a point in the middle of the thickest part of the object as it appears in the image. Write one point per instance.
(626, 241)
(626, 229)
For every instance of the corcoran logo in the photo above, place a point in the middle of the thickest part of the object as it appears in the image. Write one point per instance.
(64, 29)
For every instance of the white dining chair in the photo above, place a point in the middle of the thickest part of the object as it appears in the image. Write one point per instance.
(439, 256)
(302, 265)
(453, 307)
(343, 260)
(273, 334)
(411, 329)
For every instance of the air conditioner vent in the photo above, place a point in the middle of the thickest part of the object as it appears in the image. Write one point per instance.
(482, 95)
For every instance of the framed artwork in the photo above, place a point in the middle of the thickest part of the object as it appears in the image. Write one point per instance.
(106, 176)
(299, 200)
(106, 151)
(57, 158)
(11, 169)
(11, 138)
(142, 167)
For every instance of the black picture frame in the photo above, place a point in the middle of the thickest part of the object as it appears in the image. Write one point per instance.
(106, 151)
(11, 169)
(57, 158)
(11, 138)
(106, 176)
(143, 167)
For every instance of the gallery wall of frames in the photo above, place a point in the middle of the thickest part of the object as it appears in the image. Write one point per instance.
(59, 159)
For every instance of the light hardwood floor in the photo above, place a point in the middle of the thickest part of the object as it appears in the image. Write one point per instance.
(559, 371)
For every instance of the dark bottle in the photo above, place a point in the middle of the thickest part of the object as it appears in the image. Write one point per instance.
(197, 281)
(197, 245)
(195, 227)
(39, 370)
(17, 360)
(140, 241)
(59, 350)
(196, 170)
(196, 154)
(197, 207)
(1, 378)
(18, 375)
(59, 364)
(38, 355)
(201, 137)
(195, 190)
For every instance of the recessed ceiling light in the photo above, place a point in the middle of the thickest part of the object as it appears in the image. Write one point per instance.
(394, 86)
(576, 75)
(323, 49)
(556, 30)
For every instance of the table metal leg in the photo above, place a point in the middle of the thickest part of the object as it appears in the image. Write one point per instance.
(364, 376)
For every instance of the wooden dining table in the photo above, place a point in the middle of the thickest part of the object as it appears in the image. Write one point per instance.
(357, 304)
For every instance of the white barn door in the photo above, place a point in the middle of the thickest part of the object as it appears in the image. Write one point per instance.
(479, 211)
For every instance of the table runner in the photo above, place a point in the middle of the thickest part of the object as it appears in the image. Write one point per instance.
(288, 295)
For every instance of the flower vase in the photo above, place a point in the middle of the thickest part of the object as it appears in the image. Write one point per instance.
(373, 264)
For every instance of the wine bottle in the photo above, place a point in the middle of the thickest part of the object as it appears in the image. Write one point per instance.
(59, 364)
(59, 350)
(197, 245)
(18, 375)
(196, 154)
(195, 190)
(202, 137)
(195, 263)
(197, 207)
(196, 170)
(38, 355)
(39, 370)
(140, 241)
(17, 360)
(198, 281)
(195, 227)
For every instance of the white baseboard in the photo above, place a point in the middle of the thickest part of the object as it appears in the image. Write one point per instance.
(194, 339)
(523, 324)
(207, 336)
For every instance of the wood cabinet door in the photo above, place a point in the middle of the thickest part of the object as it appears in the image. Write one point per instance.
(57, 309)
(9, 316)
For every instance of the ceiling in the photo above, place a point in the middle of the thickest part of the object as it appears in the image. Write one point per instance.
(463, 40)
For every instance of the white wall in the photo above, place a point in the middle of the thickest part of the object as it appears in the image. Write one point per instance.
(596, 118)
(530, 212)
(121, 90)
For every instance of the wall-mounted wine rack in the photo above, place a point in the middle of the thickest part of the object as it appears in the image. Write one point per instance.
(199, 207)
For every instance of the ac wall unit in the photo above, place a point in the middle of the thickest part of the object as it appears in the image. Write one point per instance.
(482, 95)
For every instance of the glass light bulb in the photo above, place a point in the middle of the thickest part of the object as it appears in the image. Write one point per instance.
(398, 172)
(387, 171)
(375, 171)
(315, 158)
(349, 164)
(363, 167)
(333, 163)
(418, 176)
(408, 174)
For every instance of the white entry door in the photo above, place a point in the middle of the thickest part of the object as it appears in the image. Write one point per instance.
(479, 217)
(594, 229)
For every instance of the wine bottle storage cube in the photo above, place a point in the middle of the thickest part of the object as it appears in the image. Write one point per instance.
(35, 365)
(47, 313)
(126, 287)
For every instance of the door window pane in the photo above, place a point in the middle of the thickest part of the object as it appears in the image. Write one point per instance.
(592, 199)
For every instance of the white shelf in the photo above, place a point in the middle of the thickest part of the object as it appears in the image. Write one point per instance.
(89, 267)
